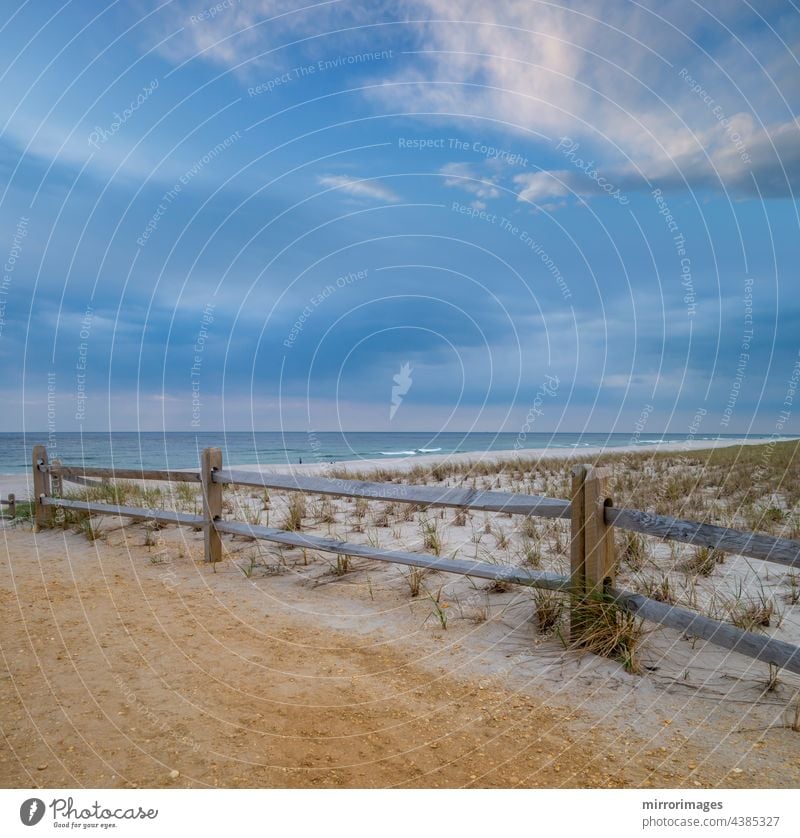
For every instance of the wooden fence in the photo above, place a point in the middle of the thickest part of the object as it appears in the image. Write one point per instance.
(11, 503)
(590, 511)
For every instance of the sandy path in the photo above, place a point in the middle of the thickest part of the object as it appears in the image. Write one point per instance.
(117, 671)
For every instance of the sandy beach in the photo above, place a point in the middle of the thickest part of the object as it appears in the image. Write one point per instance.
(129, 658)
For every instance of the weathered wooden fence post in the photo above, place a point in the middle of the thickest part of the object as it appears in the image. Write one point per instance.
(600, 560)
(12, 505)
(211, 461)
(577, 552)
(42, 515)
(56, 481)
(592, 553)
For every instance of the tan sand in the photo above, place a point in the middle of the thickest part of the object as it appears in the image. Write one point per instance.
(124, 663)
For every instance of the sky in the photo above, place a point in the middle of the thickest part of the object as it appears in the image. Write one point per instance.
(423, 215)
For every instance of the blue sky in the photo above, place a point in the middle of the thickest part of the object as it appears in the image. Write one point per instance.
(251, 215)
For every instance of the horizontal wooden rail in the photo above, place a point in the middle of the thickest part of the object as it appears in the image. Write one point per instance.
(511, 502)
(68, 472)
(81, 481)
(756, 546)
(721, 634)
(11, 503)
(482, 570)
(163, 516)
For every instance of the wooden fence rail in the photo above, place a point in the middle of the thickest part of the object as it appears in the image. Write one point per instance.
(515, 504)
(590, 511)
(11, 503)
(753, 545)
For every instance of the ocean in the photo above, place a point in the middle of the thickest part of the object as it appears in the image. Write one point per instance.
(176, 450)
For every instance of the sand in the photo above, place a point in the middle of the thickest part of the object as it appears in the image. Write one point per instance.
(128, 658)
(119, 671)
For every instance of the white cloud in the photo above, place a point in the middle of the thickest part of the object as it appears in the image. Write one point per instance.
(250, 34)
(609, 74)
(358, 188)
(536, 186)
(604, 72)
(463, 176)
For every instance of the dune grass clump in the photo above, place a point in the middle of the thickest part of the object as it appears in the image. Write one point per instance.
(751, 614)
(343, 565)
(414, 579)
(295, 512)
(633, 549)
(702, 562)
(549, 610)
(610, 631)
(327, 513)
(431, 538)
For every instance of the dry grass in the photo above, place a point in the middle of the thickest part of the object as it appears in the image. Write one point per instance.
(702, 562)
(632, 549)
(295, 512)
(610, 631)
(549, 610)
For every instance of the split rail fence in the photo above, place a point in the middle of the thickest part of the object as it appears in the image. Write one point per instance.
(11, 503)
(590, 511)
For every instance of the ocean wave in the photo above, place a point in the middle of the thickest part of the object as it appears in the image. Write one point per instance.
(428, 450)
(397, 453)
